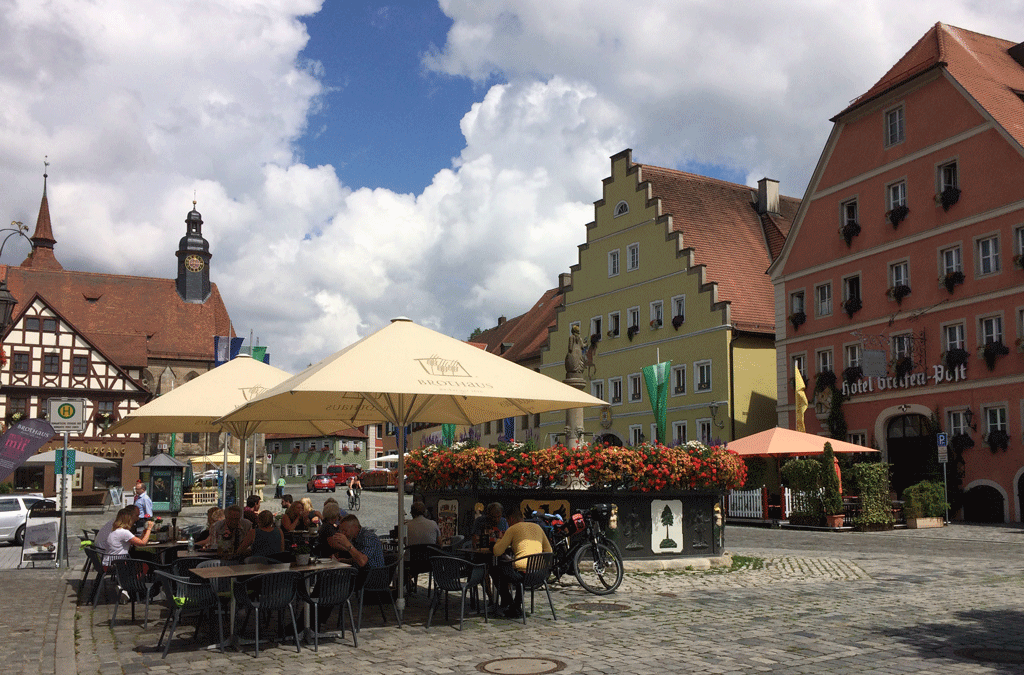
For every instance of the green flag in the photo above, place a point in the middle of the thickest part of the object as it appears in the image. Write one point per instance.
(447, 435)
(656, 378)
(173, 436)
(259, 354)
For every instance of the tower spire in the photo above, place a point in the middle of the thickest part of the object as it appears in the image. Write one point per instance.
(41, 257)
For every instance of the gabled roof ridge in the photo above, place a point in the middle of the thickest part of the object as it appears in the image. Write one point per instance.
(96, 274)
(698, 177)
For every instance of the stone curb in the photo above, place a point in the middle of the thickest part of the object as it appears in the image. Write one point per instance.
(65, 662)
(678, 564)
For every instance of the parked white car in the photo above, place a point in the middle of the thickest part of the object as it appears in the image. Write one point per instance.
(13, 514)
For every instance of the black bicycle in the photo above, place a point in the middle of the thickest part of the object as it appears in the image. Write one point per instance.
(353, 499)
(581, 547)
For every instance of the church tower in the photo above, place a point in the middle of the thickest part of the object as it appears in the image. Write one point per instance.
(193, 281)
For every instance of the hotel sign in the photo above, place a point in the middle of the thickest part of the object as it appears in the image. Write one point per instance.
(940, 374)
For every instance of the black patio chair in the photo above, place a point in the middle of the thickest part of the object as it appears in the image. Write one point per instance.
(275, 591)
(138, 579)
(379, 581)
(454, 575)
(182, 566)
(95, 557)
(535, 576)
(184, 596)
(329, 589)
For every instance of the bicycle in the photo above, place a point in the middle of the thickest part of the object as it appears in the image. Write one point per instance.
(581, 547)
(353, 499)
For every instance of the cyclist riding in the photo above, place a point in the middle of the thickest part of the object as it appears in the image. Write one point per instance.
(354, 490)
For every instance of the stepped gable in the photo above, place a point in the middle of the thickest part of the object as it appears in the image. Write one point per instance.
(132, 319)
(719, 221)
(527, 332)
(981, 64)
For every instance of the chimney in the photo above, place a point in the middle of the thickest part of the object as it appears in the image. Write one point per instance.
(564, 281)
(767, 196)
(501, 320)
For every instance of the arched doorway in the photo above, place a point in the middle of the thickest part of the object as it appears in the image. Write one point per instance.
(912, 452)
(610, 439)
(983, 504)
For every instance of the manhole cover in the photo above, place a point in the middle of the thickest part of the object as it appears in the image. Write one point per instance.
(522, 665)
(599, 606)
(992, 654)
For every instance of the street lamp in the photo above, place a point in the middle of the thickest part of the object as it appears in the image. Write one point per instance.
(713, 408)
(7, 300)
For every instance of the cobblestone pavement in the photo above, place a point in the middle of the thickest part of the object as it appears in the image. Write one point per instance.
(926, 602)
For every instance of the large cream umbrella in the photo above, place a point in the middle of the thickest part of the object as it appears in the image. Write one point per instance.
(406, 373)
(198, 405)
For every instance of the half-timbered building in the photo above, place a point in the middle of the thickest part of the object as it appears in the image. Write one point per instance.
(113, 340)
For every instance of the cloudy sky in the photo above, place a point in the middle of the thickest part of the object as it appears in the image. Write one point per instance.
(356, 160)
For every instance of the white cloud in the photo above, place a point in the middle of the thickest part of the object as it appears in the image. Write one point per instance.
(141, 103)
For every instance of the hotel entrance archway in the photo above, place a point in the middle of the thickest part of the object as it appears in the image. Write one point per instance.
(913, 456)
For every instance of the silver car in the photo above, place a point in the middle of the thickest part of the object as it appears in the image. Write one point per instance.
(13, 514)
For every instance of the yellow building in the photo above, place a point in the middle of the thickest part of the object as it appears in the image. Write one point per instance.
(673, 269)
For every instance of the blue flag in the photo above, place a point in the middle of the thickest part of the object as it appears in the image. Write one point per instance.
(509, 429)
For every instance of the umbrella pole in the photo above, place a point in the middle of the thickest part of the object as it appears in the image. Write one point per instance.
(400, 487)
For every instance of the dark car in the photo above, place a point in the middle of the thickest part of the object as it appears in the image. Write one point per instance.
(321, 481)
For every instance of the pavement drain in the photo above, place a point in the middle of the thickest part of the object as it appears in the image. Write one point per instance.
(521, 665)
(599, 606)
(992, 654)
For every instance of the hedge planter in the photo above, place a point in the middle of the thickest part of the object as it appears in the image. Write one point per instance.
(644, 525)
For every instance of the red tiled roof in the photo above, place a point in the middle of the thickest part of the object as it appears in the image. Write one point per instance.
(719, 220)
(341, 433)
(526, 333)
(980, 63)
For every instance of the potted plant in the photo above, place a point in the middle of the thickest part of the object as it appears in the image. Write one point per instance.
(594, 339)
(948, 197)
(677, 321)
(631, 331)
(302, 554)
(898, 292)
(952, 280)
(955, 358)
(852, 375)
(876, 508)
(960, 442)
(826, 379)
(655, 323)
(924, 505)
(897, 215)
(991, 350)
(831, 498)
(852, 305)
(803, 477)
(903, 366)
(998, 440)
(797, 319)
(1018, 260)
(849, 231)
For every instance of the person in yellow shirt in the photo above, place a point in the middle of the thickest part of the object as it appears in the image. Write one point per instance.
(520, 539)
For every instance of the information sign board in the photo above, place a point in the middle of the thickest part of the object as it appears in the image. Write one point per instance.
(67, 414)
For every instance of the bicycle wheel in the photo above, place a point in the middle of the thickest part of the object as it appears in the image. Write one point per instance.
(598, 568)
(355, 503)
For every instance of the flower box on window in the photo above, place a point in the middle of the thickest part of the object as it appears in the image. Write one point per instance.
(852, 305)
(997, 440)
(948, 197)
(853, 374)
(594, 339)
(955, 357)
(849, 231)
(655, 323)
(952, 280)
(992, 350)
(797, 319)
(898, 292)
(632, 331)
(897, 215)
(677, 321)
(903, 366)
(1018, 260)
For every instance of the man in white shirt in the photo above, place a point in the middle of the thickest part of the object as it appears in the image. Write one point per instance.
(421, 530)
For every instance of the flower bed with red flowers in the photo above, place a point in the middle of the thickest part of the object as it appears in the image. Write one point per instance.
(648, 467)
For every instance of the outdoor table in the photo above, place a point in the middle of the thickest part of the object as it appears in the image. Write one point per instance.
(160, 551)
(232, 572)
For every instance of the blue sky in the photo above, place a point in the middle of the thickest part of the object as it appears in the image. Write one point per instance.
(385, 120)
(355, 161)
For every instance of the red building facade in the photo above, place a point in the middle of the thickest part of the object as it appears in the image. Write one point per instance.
(900, 290)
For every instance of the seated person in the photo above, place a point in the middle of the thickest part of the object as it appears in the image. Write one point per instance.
(354, 541)
(488, 528)
(213, 515)
(252, 508)
(226, 535)
(421, 530)
(294, 518)
(332, 520)
(121, 539)
(286, 501)
(311, 515)
(264, 540)
(100, 541)
(521, 539)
